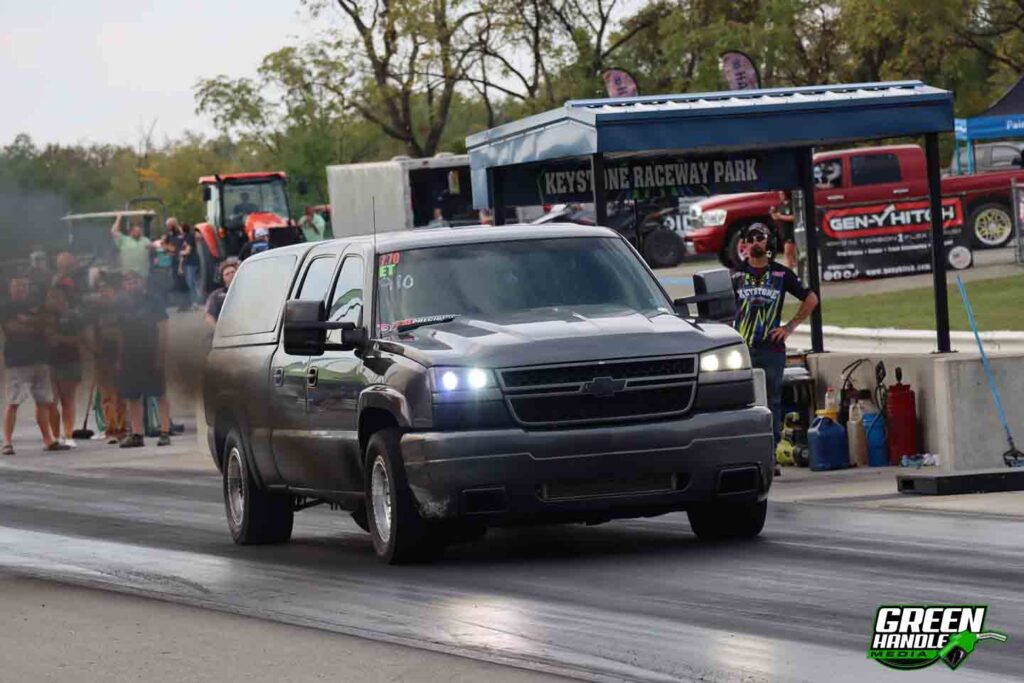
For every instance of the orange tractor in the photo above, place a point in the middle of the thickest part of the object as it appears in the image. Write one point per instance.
(237, 205)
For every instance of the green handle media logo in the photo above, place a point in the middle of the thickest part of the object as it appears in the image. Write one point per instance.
(916, 636)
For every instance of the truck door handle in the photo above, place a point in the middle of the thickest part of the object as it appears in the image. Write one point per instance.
(311, 377)
(901, 190)
(834, 197)
(278, 376)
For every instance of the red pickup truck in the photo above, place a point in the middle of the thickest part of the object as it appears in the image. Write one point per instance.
(859, 176)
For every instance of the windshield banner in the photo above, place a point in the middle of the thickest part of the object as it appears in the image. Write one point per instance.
(651, 176)
(889, 240)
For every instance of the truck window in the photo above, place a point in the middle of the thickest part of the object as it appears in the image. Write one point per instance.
(317, 279)
(254, 303)
(1005, 156)
(347, 303)
(873, 169)
(828, 173)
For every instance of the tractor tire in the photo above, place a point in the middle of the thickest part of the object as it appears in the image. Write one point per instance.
(206, 267)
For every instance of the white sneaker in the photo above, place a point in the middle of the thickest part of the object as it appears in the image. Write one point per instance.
(70, 443)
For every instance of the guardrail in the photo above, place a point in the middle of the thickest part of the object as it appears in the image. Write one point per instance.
(868, 340)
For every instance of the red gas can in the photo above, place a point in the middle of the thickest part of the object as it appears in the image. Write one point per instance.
(901, 415)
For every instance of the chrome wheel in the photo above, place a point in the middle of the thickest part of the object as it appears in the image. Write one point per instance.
(380, 494)
(992, 226)
(236, 487)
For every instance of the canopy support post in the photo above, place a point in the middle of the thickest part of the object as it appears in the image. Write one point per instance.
(600, 201)
(811, 226)
(931, 152)
(497, 193)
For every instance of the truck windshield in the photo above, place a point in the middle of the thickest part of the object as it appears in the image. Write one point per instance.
(496, 279)
(241, 199)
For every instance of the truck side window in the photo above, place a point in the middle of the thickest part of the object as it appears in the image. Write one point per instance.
(347, 304)
(253, 305)
(828, 174)
(873, 169)
(317, 279)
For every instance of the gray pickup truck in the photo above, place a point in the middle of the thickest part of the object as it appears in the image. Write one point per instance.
(437, 382)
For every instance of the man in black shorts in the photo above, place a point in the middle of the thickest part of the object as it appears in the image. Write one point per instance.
(785, 227)
(143, 344)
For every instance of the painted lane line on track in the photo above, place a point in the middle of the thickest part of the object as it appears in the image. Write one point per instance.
(676, 281)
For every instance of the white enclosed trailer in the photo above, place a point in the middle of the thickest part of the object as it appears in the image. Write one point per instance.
(399, 194)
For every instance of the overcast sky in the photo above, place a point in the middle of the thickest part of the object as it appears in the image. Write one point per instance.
(101, 70)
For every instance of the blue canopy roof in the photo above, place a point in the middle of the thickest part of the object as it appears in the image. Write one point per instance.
(709, 123)
(1004, 119)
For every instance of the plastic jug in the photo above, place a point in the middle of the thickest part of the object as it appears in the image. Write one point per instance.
(831, 400)
(856, 436)
(878, 446)
(829, 447)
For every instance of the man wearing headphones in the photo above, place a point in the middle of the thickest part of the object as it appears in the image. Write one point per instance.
(761, 285)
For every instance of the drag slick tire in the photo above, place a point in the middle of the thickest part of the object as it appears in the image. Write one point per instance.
(720, 521)
(255, 515)
(399, 534)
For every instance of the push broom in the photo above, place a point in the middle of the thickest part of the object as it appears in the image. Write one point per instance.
(1012, 457)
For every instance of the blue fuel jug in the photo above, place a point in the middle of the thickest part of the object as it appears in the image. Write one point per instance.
(828, 443)
(878, 448)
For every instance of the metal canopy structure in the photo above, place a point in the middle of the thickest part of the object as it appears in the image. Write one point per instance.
(766, 136)
(1004, 119)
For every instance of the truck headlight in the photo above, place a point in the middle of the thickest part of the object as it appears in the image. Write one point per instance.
(713, 218)
(446, 380)
(728, 359)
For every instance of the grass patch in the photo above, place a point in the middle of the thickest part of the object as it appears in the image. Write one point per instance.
(998, 305)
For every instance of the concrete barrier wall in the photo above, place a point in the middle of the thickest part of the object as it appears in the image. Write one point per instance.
(956, 414)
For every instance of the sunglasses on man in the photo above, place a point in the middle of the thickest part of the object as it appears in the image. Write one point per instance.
(756, 237)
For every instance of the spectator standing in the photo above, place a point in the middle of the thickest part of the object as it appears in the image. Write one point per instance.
(65, 347)
(68, 277)
(174, 246)
(190, 265)
(39, 276)
(134, 248)
(785, 227)
(106, 336)
(141, 359)
(761, 285)
(313, 226)
(25, 357)
(260, 242)
(215, 302)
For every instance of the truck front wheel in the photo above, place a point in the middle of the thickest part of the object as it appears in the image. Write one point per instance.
(254, 514)
(726, 520)
(991, 225)
(399, 534)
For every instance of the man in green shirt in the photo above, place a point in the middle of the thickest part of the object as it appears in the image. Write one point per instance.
(313, 226)
(133, 247)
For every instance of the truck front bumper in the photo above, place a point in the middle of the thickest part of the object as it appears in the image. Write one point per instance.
(595, 474)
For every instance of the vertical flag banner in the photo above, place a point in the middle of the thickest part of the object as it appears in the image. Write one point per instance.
(739, 71)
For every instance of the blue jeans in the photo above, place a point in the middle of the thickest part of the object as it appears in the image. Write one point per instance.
(773, 363)
(194, 285)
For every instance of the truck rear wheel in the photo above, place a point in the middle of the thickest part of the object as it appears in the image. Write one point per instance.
(254, 515)
(725, 520)
(399, 534)
(991, 225)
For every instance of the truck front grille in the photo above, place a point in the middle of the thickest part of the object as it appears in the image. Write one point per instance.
(606, 391)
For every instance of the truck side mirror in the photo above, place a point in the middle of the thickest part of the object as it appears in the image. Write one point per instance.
(304, 332)
(207, 194)
(713, 294)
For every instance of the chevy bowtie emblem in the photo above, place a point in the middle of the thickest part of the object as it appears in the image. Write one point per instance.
(603, 386)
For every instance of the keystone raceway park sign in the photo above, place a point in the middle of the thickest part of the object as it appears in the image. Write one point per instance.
(572, 181)
(888, 240)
